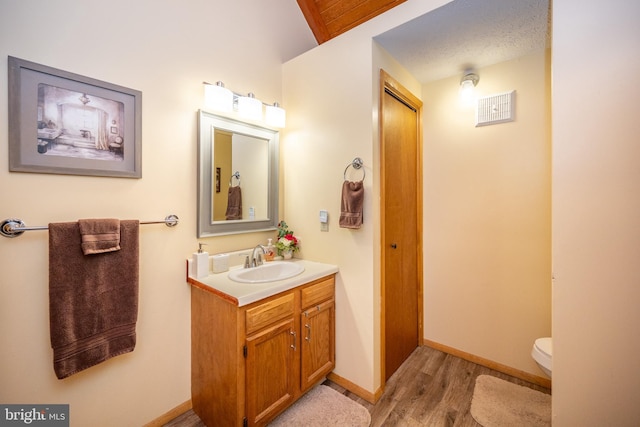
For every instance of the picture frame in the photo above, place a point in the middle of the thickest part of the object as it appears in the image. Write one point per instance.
(63, 123)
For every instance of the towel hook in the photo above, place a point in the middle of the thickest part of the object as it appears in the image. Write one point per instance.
(236, 176)
(357, 163)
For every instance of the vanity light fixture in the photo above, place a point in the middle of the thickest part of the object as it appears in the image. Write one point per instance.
(219, 98)
(275, 115)
(249, 107)
(467, 85)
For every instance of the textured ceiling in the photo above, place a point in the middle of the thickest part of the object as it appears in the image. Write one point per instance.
(467, 34)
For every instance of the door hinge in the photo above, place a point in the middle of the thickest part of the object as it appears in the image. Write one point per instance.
(244, 353)
(245, 422)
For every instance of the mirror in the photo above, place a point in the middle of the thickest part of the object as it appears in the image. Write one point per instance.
(237, 176)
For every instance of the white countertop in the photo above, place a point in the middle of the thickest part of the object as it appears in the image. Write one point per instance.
(246, 293)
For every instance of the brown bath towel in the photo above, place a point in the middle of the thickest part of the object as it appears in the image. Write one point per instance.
(93, 300)
(351, 204)
(99, 235)
(234, 203)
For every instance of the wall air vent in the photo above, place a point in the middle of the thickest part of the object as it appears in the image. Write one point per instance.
(494, 109)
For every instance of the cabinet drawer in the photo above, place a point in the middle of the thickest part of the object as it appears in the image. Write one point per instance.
(265, 314)
(314, 294)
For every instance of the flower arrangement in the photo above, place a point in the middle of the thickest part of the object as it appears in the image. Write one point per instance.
(286, 241)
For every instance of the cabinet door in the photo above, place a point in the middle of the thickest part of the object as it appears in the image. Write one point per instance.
(318, 343)
(270, 381)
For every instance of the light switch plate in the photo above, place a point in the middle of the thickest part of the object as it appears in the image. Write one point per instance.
(324, 220)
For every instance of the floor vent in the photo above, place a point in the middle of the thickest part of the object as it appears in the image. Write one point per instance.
(494, 109)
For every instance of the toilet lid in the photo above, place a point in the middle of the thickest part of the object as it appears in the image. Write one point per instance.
(544, 345)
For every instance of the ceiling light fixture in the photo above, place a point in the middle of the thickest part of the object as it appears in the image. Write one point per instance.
(219, 98)
(467, 84)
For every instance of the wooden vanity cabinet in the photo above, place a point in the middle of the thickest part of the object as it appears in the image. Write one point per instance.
(317, 322)
(271, 345)
(250, 363)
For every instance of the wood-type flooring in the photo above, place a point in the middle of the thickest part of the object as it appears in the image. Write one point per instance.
(431, 388)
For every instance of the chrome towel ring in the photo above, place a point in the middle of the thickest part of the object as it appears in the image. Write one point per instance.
(236, 176)
(357, 163)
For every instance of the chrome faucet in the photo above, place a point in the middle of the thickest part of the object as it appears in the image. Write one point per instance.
(256, 261)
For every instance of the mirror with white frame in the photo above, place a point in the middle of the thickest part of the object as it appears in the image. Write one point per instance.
(237, 176)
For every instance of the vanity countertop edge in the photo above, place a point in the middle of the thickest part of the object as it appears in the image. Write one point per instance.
(242, 294)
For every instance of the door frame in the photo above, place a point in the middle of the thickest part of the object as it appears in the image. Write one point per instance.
(394, 88)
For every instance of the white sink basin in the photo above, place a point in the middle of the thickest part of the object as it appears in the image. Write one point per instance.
(268, 272)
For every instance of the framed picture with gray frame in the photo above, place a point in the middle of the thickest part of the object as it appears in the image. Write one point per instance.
(65, 123)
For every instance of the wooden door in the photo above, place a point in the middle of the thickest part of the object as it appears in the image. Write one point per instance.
(401, 212)
(317, 342)
(271, 377)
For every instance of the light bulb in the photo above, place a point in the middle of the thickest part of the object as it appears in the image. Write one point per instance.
(467, 88)
(275, 115)
(249, 107)
(467, 91)
(218, 98)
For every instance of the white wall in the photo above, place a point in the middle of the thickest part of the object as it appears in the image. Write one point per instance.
(249, 156)
(596, 212)
(331, 92)
(595, 181)
(317, 148)
(165, 49)
(334, 93)
(487, 221)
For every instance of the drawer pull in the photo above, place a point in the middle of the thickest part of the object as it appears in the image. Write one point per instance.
(308, 337)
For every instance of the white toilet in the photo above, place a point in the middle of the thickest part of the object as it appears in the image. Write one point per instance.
(541, 353)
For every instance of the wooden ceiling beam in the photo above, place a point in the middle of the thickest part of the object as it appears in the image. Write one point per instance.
(330, 18)
(314, 20)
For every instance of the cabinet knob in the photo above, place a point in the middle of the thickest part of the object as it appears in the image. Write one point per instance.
(394, 246)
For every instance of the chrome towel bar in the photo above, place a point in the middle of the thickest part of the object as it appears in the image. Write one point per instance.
(15, 227)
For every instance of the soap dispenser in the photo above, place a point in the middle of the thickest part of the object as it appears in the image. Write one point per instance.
(201, 262)
(269, 251)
